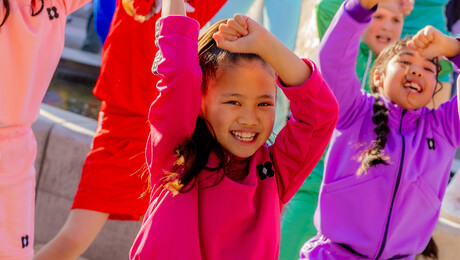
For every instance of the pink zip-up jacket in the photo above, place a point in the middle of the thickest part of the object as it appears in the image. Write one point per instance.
(30, 48)
(231, 220)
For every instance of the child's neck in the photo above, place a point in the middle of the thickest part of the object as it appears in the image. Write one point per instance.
(237, 169)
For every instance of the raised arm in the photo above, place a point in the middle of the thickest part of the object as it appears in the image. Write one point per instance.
(337, 57)
(243, 35)
(430, 42)
(173, 114)
(173, 7)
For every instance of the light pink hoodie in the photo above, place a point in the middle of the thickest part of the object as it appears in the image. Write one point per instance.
(30, 48)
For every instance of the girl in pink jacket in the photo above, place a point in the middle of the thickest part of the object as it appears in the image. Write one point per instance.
(217, 188)
(31, 42)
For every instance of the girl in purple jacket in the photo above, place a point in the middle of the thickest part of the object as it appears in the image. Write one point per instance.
(217, 189)
(389, 159)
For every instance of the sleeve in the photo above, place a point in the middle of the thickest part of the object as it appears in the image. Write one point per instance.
(300, 144)
(337, 57)
(73, 5)
(103, 14)
(174, 112)
(448, 115)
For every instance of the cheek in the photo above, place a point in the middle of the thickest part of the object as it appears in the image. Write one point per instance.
(269, 117)
(366, 35)
(397, 31)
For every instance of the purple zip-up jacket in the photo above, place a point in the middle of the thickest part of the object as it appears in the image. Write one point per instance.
(391, 211)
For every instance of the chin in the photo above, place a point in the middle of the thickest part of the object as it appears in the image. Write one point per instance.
(243, 155)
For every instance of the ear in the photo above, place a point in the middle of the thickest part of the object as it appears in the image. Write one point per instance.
(203, 106)
(377, 77)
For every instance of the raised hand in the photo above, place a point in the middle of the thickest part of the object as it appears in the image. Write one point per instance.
(430, 42)
(407, 6)
(172, 7)
(241, 34)
(159, 3)
(369, 4)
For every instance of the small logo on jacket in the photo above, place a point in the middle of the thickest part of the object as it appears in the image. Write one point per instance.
(431, 143)
(265, 170)
(52, 13)
(25, 241)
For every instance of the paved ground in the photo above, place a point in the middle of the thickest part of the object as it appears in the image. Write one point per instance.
(75, 35)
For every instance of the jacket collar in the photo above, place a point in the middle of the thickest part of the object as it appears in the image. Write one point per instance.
(399, 118)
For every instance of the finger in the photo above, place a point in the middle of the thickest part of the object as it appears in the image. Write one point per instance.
(224, 37)
(235, 25)
(411, 45)
(221, 42)
(158, 4)
(225, 29)
(189, 8)
(420, 43)
(241, 19)
(428, 32)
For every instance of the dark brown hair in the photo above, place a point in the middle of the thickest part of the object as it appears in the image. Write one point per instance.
(193, 154)
(375, 154)
(32, 5)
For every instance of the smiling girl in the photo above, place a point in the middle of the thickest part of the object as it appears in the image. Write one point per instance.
(217, 188)
(389, 159)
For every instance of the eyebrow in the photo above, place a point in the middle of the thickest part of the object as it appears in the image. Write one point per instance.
(239, 95)
(412, 55)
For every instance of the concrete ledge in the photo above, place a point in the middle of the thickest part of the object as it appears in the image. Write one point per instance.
(64, 139)
(447, 238)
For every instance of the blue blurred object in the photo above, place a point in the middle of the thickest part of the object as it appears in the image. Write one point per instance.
(103, 13)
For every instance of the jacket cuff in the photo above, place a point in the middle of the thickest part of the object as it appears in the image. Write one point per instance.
(359, 12)
(308, 88)
(177, 24)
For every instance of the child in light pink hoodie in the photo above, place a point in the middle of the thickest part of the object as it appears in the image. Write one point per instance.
(217, 188)
(31, 42)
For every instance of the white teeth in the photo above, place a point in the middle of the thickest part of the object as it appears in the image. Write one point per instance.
(413, 86)
(244, 136)
(383, 38)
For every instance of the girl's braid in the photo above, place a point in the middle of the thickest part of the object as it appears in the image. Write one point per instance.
(375, 155)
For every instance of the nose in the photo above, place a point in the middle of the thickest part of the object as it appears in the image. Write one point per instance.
(415, 71)
(386, 26)
(248, 117)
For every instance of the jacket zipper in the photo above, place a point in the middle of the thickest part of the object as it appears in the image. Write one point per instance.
(385, 235)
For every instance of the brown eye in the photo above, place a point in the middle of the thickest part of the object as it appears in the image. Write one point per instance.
(233, 102)
(264, 104)
(404, 62)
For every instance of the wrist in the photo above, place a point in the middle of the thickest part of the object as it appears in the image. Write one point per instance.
(266, 44)
(455, 51)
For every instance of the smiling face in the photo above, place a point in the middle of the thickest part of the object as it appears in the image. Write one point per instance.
(239, 105)
(385, 27)
(409, 79)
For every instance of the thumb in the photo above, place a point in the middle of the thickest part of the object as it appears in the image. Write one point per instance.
(189, 8)
(158, 4)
